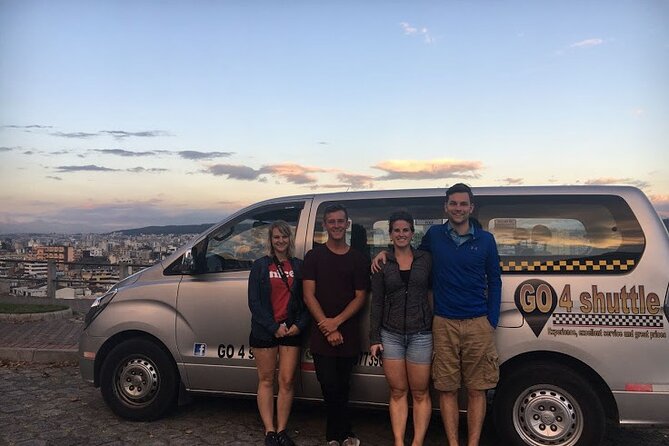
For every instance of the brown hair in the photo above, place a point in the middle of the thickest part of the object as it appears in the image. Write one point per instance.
(400, 216)
(460, 187)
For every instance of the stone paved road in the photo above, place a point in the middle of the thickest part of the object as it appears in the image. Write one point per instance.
(48, 404)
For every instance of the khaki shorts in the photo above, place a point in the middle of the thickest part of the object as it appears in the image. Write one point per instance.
(465, 353)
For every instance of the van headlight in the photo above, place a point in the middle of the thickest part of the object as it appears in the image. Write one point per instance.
(98, 305)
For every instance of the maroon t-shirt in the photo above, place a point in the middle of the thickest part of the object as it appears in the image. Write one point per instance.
(337, 277)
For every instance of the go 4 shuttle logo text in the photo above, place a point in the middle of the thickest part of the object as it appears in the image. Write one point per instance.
(627, 308)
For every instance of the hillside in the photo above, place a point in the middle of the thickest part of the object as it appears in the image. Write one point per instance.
(169, 229)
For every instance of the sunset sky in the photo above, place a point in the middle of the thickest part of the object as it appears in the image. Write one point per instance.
(122, 114)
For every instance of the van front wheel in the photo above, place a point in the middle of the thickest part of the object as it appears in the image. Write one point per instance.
(548, 404)
(138, 380)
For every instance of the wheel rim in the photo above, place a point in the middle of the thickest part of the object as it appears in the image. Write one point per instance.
(137, 381)
(548, 415)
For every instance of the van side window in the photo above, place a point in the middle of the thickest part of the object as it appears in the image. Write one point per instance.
(368, 231)
(573, 234)
(236, 244)
(542, 234)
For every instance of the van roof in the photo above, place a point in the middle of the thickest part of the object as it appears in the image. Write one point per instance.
(485, 190)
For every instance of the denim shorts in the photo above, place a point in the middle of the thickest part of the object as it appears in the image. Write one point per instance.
(416, 348)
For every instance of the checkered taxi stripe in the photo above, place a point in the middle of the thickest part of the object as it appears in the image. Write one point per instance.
(569, 266)
(609, 320)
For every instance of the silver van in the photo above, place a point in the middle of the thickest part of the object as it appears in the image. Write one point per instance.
(582, 335)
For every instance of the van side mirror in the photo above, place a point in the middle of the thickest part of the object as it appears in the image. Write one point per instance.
(187, 261)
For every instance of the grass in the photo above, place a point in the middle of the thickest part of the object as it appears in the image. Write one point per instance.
(30, 308)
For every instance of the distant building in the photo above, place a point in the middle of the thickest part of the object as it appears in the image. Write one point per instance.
(57, 253)
(36, 291)
(95, 252)
(103, 275)
(35, 269)
(72, 293)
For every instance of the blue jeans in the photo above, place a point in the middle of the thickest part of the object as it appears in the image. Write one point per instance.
(416, 347)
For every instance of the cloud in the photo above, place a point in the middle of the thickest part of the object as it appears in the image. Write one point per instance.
(410, 30)
(121, 152)
(638, 112)
(196, 155)
(587, 43)
(150, 170)
(81, 135)
(348, 181)
(118, 134)
(28, 152)
(86, 168)
(608, 180)
(59, 152)
(186, 154)
(294, 173)
(53, 177)
(356, 181)
(125, 134)
(32, 126)
(661, 204)
(234, 172)
(6, 149)
(428, 170)
(511, 181)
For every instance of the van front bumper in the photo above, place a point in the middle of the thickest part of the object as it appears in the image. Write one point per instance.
(88, 350)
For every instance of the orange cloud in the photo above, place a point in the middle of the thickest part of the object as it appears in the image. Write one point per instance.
(429, 170)
(609, 180)
(661, 204)
(356, 181)
(294, 173)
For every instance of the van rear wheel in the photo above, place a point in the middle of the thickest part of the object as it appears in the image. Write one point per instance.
(138, 380)
(548, 404)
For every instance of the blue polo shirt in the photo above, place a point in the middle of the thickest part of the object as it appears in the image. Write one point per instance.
(466, 276)
(457, 238)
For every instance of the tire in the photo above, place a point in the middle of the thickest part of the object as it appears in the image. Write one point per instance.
(138, 380)
(548, 404)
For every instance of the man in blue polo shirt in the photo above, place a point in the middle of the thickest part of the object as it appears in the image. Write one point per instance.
(467, 295)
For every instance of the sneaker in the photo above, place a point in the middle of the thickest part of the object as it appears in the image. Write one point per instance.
(283, 439)
(270, 439)
(351, 441)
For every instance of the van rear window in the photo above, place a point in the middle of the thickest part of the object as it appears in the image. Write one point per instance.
(543, 234)
(563, 234)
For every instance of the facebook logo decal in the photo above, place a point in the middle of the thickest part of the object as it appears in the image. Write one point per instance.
(199, 349)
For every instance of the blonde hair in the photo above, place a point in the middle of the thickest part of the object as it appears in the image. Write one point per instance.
(285, 229)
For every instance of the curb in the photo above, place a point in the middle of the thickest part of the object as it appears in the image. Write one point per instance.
(60, 314)
(39, 355)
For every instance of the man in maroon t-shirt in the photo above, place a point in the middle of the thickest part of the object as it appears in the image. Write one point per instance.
(335, 283)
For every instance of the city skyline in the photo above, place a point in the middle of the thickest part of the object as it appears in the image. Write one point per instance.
(117, 115)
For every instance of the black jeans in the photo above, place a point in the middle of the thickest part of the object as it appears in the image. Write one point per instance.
(334, 375)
